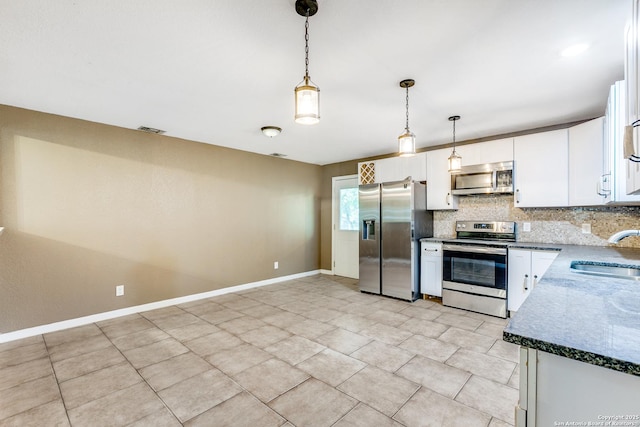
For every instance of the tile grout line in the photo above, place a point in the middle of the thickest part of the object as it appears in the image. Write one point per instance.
(137, 371)
(55, 377)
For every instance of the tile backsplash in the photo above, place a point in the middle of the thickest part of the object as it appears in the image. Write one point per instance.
(548, 225)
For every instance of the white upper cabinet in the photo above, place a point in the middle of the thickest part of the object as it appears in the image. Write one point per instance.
(386, 169)
(414, 166)
(631, 75)
(541, 170)
(629, 111)
(620, 175)
(393, 169)
(499, 150)
(399, 168)
(439, 195)
(585, 164)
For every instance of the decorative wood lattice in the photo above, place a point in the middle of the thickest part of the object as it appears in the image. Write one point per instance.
(367, 173)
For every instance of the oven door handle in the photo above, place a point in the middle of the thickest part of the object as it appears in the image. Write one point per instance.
(475, 249)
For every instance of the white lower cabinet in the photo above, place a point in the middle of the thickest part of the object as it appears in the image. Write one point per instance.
(556, 390)
(431, 269)
(525, 269)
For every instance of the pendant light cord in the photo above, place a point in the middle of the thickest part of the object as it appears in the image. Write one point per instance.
(454, 135)
(306, 47)
(407, 107)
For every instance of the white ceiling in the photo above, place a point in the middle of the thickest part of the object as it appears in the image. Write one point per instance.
(216, 71)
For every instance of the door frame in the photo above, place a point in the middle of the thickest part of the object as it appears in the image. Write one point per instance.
(334, 216)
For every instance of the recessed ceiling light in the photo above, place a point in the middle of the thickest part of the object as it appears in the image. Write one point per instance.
(271, 131)
(575, 49)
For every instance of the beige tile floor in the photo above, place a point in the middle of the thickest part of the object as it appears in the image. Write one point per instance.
(308, 352)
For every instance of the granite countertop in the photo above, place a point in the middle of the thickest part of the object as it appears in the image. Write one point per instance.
(583, 317)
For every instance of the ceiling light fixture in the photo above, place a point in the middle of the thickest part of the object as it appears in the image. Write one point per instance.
(271, 131)
(407, 141)
(307, 93)
(455, 161)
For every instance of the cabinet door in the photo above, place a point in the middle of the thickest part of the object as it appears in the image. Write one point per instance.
(585, 163)
(398, 168)
(415, 167)
(633, 174)
(631, 67)
(499, 150)
(540, 263)
(439, 195)
(431, 269)
(386, 170)
(526, 268)
(541, 169)
(519, 279)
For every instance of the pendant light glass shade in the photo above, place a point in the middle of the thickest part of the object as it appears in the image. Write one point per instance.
(407, 144)
(307, 94)
(455, 160)
(307, 102)
(407, 141)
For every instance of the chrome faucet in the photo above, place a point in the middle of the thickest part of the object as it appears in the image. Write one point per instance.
(622, 234)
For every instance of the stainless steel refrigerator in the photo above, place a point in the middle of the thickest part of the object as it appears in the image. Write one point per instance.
(393, 218)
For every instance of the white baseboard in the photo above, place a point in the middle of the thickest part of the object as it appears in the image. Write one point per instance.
(327, 272)
(80, 321)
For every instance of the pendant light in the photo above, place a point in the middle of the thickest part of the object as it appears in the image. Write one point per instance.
(307, 94)
(407, 141)
(455, 161)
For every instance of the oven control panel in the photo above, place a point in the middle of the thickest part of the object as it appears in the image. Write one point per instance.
(506, 227)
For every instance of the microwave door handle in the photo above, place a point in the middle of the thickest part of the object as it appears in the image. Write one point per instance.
(494, 180)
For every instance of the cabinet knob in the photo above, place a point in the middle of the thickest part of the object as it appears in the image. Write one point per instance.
(526, 282)
(517, 196)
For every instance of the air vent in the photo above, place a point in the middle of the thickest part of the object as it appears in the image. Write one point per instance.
(278, 155)
(151, 130)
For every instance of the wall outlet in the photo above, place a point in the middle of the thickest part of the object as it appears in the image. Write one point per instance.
(119, 290)
(526, 226)
(586, 228)
(275, 265)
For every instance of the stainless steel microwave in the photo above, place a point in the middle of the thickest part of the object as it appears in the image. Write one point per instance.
(488, 178)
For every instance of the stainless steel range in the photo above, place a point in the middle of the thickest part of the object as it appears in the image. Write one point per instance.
(474, 270)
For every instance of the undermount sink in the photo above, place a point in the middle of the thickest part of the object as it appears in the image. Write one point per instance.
(619, 271)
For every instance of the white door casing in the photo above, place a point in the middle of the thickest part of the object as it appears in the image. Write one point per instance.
(345, 226)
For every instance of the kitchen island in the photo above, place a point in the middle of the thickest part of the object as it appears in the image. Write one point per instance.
(580, 343)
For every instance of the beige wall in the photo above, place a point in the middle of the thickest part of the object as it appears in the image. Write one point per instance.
(87, 207)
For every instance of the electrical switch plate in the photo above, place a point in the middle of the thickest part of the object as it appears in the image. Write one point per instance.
(526, 226)
(119, 290)
(275, 265)
(586, 228)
